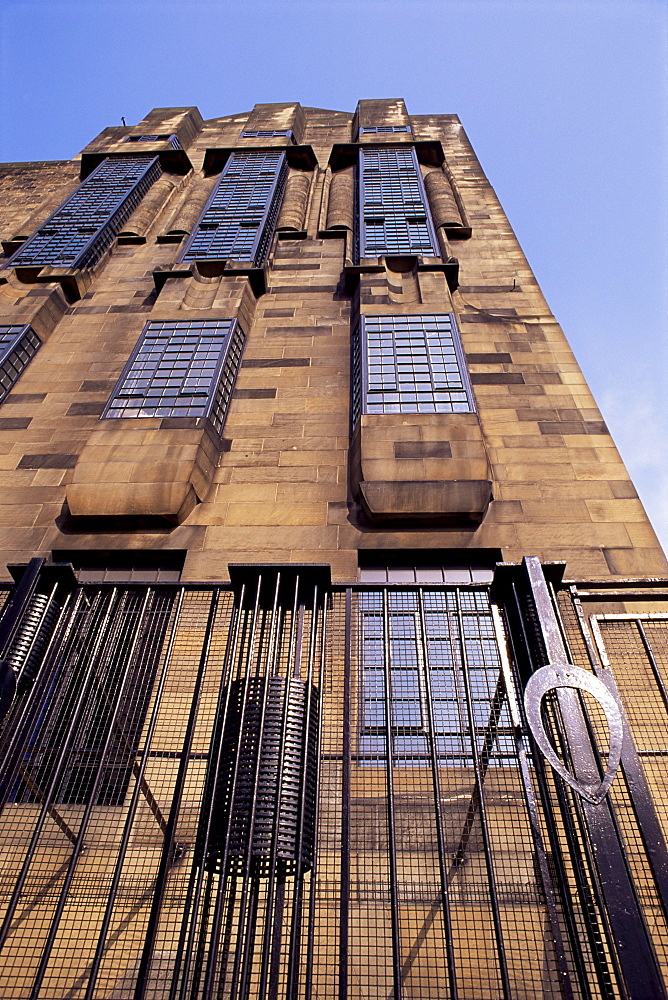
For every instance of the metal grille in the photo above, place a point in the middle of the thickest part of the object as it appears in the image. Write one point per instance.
(171, 139)
(17, 346)
(187, 813)
(237, 221)
(393, 217)
(410, 364)
(78, 233)
(182, 368)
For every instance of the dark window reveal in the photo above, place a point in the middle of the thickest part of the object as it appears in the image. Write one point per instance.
(78, 233)
(409, 364)
(17, 346)
(183, 368)
(238, 220)
(393, 216)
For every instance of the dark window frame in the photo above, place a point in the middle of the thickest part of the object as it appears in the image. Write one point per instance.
(221, 374)
(226, 221)
(392, 211)
(16, 353)
(395, 324)
(48, 245)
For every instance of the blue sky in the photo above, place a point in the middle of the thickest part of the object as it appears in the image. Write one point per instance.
(565, 101)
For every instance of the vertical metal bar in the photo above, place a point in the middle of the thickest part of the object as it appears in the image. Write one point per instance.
(270, 932)
(641, 797)
(295, 929)
(92, 802)
(166, 858)
(345, 804)
(18, 602)
(553, 834)
(266, 669)
(191, 909)
(433, 754)
(240, 970)
(132, 808)
(316, 824)
(498, 931)
(394, 896)
(629, 930)
(32, 706)
(217, 917)
(532, 810)
(58, 766)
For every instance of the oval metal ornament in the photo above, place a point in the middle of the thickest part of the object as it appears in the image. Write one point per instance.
(551, 678)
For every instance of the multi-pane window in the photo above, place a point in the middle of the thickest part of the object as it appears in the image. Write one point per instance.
(238, 220)
(263, 133)
(383, 129)
(393, 216)
(438, 652)
(78, 233)
(171, 139)
(183, 368)
(17, 346)
(409, 364)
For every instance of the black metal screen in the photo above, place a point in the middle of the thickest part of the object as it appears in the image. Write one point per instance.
(283, 789)
(392, 205)
(237, 221)
(78, 233)
(17, 346)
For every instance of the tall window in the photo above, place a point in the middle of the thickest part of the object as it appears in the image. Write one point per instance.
(78, 233)
(409, 364)
(420, 643)
(238, 220)
(17, 346)
(393, 216)
(184, 368)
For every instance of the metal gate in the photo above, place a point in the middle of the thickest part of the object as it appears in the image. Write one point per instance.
(281, 788)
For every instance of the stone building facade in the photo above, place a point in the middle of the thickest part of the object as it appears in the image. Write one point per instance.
(334, 645)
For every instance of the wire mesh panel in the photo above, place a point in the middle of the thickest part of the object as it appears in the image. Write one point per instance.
(393, 213)
(279, 789)
(18, 344)
(78, 233)
(237, 221)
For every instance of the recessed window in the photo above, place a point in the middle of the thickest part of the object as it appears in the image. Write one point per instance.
(183, 368)
(238, 220)
(17, 346)
(393, 217)
(383, 129)
(78, 233)
(409, 364)
(268, 134)
(171, 139)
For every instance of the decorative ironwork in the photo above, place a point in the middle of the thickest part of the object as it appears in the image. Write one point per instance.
(78, 233)
(180, 368)
(229, 839)
(18, 344)
(409, 364)
(393, 216)
(238, 220)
